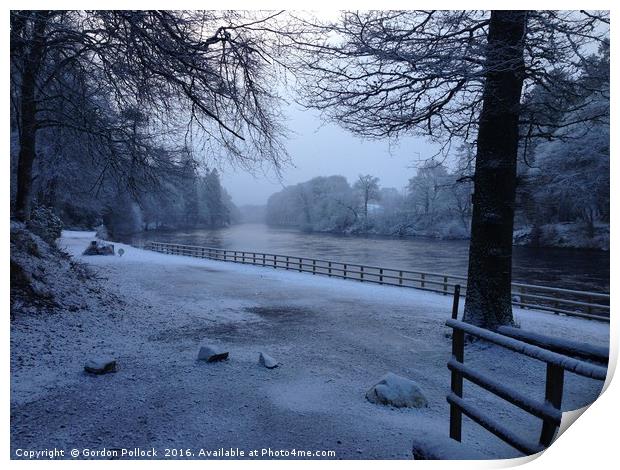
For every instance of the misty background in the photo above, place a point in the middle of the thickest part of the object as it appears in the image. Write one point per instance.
(322, 148)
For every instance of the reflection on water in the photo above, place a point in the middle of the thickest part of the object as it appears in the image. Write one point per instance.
(573, 269)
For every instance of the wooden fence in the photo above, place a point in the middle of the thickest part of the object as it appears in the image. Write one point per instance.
(549, 410)
(591, 305)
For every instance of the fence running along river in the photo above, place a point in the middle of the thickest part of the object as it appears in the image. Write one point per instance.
(593, 305)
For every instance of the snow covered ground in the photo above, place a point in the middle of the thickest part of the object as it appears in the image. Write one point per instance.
(334, 338)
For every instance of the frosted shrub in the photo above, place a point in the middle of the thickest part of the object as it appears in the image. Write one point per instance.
(44, 223)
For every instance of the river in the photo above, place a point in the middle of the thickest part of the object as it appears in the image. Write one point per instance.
(558, 267)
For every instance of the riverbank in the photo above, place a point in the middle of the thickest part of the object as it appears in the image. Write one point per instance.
(564, 235)
(569, 235)
(334, 338)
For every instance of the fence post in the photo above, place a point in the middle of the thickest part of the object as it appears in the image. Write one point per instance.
(456, 383)
(381, 275)
(455, 301)
(329, 268)
(400, 278)
(361, 273)
(445, 285)
(263, 259)
(275, 265)
(345, 271)
(553, 396)
(313, 266)
(287, 263)
(422, 280)
(300, 263)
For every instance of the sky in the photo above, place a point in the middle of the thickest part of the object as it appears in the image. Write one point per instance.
(323, 149)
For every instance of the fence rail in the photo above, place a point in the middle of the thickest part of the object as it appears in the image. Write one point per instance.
(593, 305)
(548, 410)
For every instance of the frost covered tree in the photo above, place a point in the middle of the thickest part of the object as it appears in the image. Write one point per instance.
(394, 217)
(323, 204)
(368, 188)
(427, 191)
(455, 75)
(567, 173)
(570, 178)
(439, 201)
(213, 198)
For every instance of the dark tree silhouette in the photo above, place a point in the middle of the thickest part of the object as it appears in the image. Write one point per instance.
(465, 76)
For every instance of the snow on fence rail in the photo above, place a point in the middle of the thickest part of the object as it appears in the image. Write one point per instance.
(593, 305)
(548, 410)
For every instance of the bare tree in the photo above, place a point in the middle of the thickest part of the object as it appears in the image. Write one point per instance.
(209, 70)
(457, 75)
(368, 187)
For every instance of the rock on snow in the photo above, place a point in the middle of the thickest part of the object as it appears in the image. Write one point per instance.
(211, 354)
(100, 366)
(396, 391)
(267, 361)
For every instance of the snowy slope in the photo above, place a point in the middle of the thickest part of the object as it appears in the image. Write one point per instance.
(334, 339)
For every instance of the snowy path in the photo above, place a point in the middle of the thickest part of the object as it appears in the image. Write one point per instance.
(335, 339)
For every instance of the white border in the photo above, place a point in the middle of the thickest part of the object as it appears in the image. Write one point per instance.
(590, 443)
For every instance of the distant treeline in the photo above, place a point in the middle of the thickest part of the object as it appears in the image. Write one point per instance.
(433, 204)
(563, 198)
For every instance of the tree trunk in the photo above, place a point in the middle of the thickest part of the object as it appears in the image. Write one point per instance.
(27, 148)
(488, 302)
(28, 118)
